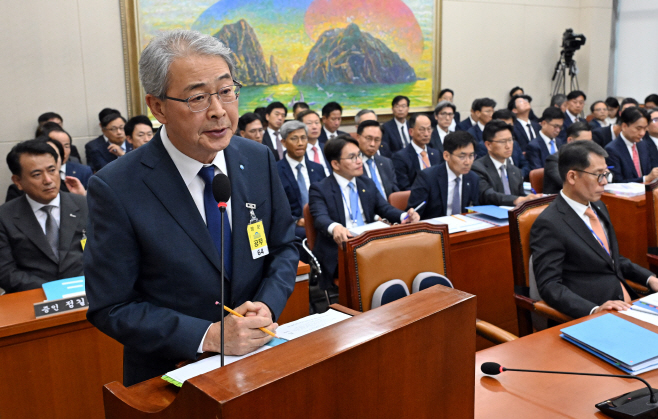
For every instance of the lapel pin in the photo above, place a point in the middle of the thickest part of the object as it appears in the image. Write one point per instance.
(363, 190)
(72, 215)
(241, 167)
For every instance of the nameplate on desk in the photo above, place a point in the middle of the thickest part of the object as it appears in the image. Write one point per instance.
(50, 307)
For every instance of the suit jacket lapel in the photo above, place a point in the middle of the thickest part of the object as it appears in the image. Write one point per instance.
(580, 228)
(167, 185)
(337, 198)
(442, 179)
(493, 173)
(466, 191)
(290, 176)
(367, 202)
(26, 221)
(433, 156)
(69, 219)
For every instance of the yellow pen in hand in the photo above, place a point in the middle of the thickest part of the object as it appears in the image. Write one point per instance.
(235, 313)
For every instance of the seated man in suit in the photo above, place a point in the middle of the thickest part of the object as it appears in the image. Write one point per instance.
(552, 181)
(575, 104)
(628, 155)
(525, 129)
(600, 113)
(651, 101)
(547, 142)
(518, 158)
(396, 131)
(68, 167)
(416, 156)
(313, 146)
(298, 108)
(111, 144)
(152, 260)
(297, 172)
(40, 232)
(343, 201)
(559, 101)
(501, 183)
(574, 248)
(444, 112)
(471, 120)
(370, 115)
(450, 187)
(604, 135)
(484, 110)
(250, 126)
(378, 168)
(139, 130)
(275, 115)
(449, 95)
(332, 116)
(613, 110)
(651, 137)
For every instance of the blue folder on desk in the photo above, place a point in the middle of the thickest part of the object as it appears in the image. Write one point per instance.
(618, 340)
(64, 288)
(491, 211)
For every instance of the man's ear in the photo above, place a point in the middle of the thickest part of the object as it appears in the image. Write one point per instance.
(17, 179)
(335, 165)
(157, 107)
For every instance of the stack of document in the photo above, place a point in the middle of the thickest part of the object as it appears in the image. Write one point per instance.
(457, 223)
(286, 332)
(497, 216)
(625, 345)
(64, 288)
(648, 304)
(625, 189)
(356, 231)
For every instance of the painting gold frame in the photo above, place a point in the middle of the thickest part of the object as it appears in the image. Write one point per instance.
(132, 49)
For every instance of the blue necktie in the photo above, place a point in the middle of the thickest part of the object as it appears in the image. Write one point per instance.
(553, 146)
(213, 217)
(302, 185)
(373, 176)
(354, 205)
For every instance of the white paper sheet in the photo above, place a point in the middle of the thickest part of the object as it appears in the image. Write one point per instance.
(640, 315)
(367, 227)
(306, 325)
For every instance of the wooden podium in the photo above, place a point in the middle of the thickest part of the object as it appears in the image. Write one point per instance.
(410, 358)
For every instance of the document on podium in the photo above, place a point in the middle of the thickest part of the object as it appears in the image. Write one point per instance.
(286, 332)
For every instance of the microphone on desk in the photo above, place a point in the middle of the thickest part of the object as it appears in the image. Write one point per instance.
(636, 404)
(221, 191)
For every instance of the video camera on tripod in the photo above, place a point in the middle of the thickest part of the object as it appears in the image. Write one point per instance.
(571, 43)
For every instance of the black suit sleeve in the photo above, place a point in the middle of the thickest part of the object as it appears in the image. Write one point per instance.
(13, 279)
(401, 172)
(386, 210)
(318, 206)
(420, 192)
(488, 194)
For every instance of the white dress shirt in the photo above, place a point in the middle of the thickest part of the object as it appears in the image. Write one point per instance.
(442, 133)
(273, 137)
(311, 154)
(293, 165)
(611, 121)
(42, 216)
(451, 188)
(402, 127)
(481, 126)
(343, 184)
(527, 127)
(655, 140)
(548, 141)
(571, 116)
(629, 147)
(329, 133)
(189, 171)
(453, 126)
(62, 172)
(418, 150)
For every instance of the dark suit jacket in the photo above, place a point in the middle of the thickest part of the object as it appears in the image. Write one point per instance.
(386, 173)
(269, 142)
(552, 180)
(480, 148)
(620, 159)
(536, 152)
(323, 136)
(431, 186)
(407, 165)
(566, 124)
(465, 124)
(391, 136)
(602, 136)
(80, 171)
(315, 174)
(491, 186)
(153, 271)
(574, 273)
(594, 124)
(435, 142)
(98, 155)
(26, 259)
(521, 133)
(520, 160)
(326, 203)
(653, 150)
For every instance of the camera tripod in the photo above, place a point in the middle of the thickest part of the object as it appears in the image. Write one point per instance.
(560, 75)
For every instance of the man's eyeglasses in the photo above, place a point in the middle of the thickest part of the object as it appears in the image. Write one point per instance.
(464, 157)
(370, 139)
(114, 130)
(507, 141)
(599, 176)
(446, 114)
(201, 101)
(354, 157)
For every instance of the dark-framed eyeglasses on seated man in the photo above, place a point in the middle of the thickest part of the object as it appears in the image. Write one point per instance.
(354, 157)
(599, 176)
(201, 101)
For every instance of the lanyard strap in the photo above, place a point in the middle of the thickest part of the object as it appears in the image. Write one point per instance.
(349, 209)
(597, 237)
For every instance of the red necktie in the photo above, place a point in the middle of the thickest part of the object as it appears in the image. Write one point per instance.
(316, 155)
(636, 161)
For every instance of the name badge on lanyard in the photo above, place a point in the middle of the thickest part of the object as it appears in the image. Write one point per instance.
(256, 233)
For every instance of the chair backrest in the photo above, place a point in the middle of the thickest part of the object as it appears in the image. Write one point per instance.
(537, 180)
(309, 227)
(399, 199)
(401, 251)
(652, 215)
(429, 279)
(521, 220)
(388, 292)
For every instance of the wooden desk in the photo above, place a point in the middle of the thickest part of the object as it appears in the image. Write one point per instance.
(53, 366)
(629, 217)
(537, 396)
(298, 303)
(482, 265)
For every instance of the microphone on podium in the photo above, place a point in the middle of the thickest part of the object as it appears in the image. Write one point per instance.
(636, 404)
(221, 191)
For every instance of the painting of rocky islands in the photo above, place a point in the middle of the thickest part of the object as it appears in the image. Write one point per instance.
(359, 53)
